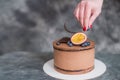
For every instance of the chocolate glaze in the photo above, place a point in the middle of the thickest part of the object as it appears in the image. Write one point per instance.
(64, 47)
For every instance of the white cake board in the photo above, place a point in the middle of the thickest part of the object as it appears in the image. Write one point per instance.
(99, 69)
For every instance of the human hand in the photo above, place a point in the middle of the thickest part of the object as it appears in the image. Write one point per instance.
(87, 11)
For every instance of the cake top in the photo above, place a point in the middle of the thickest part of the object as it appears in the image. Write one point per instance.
(65, 45)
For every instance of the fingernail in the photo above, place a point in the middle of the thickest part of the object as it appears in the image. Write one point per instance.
(91, 26)
(84, 28)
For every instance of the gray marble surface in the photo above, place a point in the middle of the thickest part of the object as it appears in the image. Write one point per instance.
(28, 66)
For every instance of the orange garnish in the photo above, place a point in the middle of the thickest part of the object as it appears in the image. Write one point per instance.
(78, 38)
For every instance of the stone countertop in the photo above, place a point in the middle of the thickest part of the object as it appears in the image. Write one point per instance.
(28, 66)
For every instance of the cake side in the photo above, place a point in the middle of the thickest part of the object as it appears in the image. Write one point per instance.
(75, 59)
(74, 72)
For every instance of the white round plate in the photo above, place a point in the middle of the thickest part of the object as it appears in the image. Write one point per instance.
(99, 69)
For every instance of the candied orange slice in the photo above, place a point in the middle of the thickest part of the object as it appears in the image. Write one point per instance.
(78, 38)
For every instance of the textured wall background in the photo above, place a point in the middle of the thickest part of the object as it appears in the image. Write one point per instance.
(32, 25)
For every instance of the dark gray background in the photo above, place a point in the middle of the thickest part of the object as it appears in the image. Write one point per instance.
(32, 25)
(28, 28)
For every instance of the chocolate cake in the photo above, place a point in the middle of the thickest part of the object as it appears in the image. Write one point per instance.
(73, 59)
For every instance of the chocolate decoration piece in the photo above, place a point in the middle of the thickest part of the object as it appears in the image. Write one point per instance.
(63, 40)
(65, 27)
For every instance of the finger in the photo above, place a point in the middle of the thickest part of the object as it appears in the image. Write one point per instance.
(76, 12)
(87, 14)
(81, 12)
(76, 9)
(93, 17)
